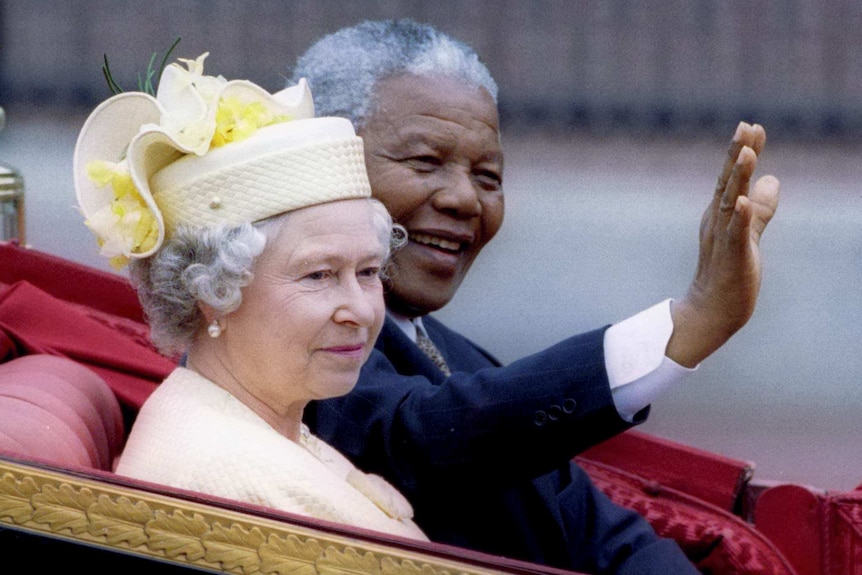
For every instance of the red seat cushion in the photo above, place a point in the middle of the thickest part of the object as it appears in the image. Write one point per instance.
(820, 531)
(54, 409)
(705, 475)
(36, 322)
(718, 542)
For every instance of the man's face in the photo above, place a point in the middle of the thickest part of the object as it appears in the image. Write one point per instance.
(432, 148)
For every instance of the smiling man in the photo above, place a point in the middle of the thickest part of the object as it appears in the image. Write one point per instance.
(437, 165)
(483, 451)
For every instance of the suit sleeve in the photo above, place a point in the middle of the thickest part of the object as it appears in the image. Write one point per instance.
(498, 424)
(560, 519)
(604, 537)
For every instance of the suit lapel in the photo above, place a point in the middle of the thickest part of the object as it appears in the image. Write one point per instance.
(404, 355)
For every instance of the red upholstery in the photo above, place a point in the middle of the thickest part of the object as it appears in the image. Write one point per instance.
(821, 532)
(708, 476)
(33, 321)
(52, 306)
(69, 281)
(718, 542)
(56, 410)
(58, 307)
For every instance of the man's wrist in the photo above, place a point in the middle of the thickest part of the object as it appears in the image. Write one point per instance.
(695, 336)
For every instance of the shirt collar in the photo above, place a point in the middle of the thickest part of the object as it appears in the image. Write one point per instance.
(407, 325)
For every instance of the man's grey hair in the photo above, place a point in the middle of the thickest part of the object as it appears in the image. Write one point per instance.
(344, 68)
(211, 266)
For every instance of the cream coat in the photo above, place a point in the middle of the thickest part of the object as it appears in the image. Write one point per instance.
(194, 435)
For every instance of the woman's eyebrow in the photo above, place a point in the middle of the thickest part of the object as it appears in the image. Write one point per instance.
(361, 253)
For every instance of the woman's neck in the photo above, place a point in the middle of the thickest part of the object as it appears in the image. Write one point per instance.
(286, 421)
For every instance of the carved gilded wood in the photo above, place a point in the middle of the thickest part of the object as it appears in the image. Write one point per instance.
(169, 528)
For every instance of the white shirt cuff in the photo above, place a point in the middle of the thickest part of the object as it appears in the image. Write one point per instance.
(638, 370)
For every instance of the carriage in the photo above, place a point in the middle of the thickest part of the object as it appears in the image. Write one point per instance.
(76, 364)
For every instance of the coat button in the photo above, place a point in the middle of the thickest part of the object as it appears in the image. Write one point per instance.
(569, 406)
(554, 412)
(540, 418)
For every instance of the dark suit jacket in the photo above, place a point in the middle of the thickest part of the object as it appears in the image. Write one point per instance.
(484, 455)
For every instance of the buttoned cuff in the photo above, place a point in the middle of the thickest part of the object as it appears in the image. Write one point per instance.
(638, 370)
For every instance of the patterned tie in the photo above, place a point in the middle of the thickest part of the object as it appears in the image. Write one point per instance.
(428, 348)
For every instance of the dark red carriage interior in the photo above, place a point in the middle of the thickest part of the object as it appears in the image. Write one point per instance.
(76, 364)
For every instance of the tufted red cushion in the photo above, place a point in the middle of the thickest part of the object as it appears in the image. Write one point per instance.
(56, 410)
(705, 475)
(820, 531)
(718, 542)
(36, 322)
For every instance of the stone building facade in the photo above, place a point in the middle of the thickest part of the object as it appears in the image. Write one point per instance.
(678, 65)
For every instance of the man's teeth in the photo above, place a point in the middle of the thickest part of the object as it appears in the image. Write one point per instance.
(436, 242)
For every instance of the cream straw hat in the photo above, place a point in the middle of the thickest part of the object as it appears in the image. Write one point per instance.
(206, 151)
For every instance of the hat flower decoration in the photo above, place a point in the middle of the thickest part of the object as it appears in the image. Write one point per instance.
(191, 154)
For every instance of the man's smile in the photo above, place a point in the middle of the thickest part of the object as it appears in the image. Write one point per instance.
(437, 242)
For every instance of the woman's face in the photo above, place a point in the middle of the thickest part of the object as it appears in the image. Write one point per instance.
(432, 148)
(314, 309)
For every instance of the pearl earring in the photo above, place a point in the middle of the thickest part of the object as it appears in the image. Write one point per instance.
(214, 329)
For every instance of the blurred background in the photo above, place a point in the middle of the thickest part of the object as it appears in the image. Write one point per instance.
(616, 115)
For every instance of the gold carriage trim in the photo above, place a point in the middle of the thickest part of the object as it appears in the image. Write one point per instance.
(149, 524)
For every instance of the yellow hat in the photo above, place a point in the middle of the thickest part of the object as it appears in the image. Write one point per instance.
(207, 151)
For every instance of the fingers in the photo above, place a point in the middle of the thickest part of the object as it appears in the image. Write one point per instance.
(752, 215)
(764, 199)
(746, 135)
(759, 135)
(740, 223)
(732, 153)
(738, 182)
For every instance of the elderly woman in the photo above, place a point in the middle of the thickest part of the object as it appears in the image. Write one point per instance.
(256, 250)
(482, 450)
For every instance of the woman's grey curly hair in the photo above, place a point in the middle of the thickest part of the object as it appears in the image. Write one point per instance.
(211, 266)
(343, 68)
